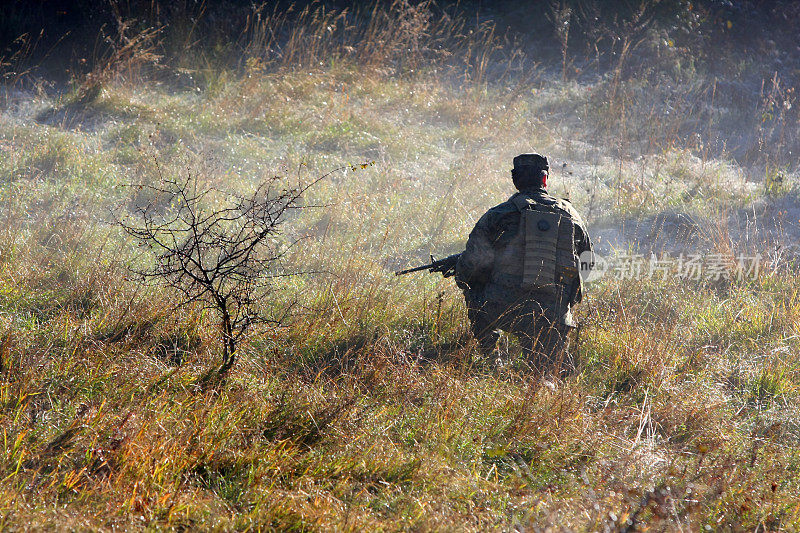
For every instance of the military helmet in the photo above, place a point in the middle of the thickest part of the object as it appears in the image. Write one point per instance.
(531, 162)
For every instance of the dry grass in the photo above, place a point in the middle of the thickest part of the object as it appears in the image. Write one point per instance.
(371, 410)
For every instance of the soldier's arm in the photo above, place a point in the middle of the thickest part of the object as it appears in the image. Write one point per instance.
(475, 264)
(582, 241)
(582, 244)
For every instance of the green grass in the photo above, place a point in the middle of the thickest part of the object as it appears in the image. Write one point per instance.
(371, 409)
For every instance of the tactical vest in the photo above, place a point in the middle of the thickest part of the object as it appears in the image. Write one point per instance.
(541, 256)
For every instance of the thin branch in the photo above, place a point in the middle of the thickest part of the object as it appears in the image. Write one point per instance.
(223, 259)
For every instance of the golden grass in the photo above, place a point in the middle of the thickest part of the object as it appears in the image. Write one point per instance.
(371, 409)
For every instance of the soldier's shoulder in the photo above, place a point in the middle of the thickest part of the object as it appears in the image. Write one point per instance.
(549, 200)
(502, 208)
(497, 215)
(567, 206)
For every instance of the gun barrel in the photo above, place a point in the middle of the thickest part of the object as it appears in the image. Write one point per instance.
(445, 266)
(410, 270)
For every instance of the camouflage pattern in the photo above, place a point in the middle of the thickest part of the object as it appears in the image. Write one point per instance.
(491, 271)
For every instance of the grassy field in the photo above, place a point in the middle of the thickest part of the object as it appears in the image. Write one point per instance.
(370, 408)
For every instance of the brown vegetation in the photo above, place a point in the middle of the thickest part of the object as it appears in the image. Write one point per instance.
(371, 409)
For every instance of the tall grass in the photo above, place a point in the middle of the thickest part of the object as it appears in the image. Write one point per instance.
(372, 409)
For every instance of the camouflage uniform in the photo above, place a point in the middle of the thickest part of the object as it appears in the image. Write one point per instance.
(491, 272)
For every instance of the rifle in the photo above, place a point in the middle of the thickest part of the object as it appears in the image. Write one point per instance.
(446, 266)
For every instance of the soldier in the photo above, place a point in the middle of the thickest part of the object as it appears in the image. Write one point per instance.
(520, 270)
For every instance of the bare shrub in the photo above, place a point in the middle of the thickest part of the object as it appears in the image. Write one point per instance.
(220, 250)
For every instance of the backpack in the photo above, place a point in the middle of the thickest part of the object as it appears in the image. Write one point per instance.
(547, 235)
